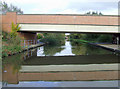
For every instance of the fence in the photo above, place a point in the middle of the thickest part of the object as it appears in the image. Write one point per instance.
(27, 43)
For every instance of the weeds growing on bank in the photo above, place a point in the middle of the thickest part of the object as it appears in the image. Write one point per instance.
(11, 42)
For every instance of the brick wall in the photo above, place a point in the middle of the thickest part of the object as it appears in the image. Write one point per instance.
(66, 19)
(7, 21)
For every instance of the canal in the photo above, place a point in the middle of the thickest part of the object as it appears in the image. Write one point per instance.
(71, 61)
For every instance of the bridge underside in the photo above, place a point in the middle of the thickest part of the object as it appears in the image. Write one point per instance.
(69, 28)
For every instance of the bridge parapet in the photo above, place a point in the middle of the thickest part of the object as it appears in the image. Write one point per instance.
(68, 19)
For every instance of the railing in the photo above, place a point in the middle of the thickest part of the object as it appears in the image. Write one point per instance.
(28, 43)
(28, 54)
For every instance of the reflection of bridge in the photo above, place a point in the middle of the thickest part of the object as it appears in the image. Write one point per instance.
(85, 75)
(80, 68)
(62, 60)
(30, 24)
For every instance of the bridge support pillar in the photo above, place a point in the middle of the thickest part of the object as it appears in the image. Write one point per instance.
(116, 39)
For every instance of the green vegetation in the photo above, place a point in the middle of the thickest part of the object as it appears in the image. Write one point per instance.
(105, 38)
(15, 28)
(51, 50)
(11, 41)
(6, 8)
(93, 38)
(40, 36)
(14, 61)
(53, 38)
(86, 49)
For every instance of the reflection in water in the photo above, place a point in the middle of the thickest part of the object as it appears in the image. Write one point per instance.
(11, 67)
(86, 49)
(57, 50)
(40, 51)
(49, 50)
(79, 49)
(68, 49)
(70, 54)
(84, 54)
(15, 61)
(72, 60)
(28, 54)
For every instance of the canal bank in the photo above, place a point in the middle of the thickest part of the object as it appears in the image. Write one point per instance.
(111, 47)
(34, 46)
(27, 48)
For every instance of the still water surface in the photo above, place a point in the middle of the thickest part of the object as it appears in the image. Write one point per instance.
(70, 49)
(68, 54)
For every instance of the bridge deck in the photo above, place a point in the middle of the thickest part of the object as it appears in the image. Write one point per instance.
(69, 28)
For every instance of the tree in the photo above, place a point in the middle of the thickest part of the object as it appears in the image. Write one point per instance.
(54, 38)
(88, 13)
(75, 36)
(6, 8)
(93, 13)
(100, 13)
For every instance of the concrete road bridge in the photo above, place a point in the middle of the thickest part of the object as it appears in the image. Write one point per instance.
(33, 23)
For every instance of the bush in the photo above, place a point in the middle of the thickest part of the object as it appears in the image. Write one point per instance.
(54, 39)
(105, 38)
(39, 36)
(75, 36)
(91, 37)
(4, 36)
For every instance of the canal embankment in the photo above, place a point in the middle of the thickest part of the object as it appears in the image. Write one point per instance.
(33, 46)
(27, 48)
(13, 44)
(111, 47)
(108, 46)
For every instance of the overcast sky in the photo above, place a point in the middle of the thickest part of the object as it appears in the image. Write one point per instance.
(107, 7)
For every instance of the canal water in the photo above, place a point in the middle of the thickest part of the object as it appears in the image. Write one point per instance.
(70, 49)
(66, 62)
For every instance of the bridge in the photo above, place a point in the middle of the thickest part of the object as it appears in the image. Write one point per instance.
(33, 23)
